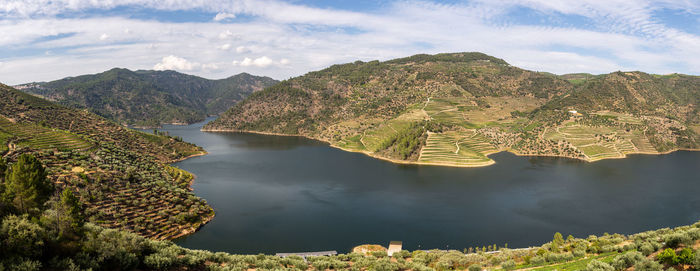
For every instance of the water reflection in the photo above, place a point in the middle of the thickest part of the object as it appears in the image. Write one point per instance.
(276, 194)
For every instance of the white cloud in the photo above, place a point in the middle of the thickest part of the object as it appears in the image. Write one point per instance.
(172, 62)
(224, 16)
(626, 36)
(242, 49)
(104, 36)
(211, 67)
(224, 47)
(261, 62)
(226, 34)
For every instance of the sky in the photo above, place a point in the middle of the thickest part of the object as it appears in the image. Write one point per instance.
(43, 40)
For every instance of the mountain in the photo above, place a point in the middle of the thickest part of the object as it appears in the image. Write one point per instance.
(455, 109)
(149, 98)
(121, 175)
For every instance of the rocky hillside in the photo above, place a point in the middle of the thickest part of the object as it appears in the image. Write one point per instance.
(149, 98)
(454, 109)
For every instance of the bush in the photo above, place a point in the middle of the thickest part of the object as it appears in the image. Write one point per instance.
(475, 267)
(596, 265)
(627, 260)
(21, 237)
(451, 259)
(648, 265)
(687, 256)
(403, 254)
(508, 265)
(384, 264)
(378, 254)
(676, 239)
(668, 256)
(646, 249)
(537, 260)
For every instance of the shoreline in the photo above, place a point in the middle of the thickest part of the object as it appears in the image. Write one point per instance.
(203, 153)
(402, 162)
(205, 220)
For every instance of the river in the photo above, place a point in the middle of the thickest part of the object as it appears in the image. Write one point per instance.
(290, 194)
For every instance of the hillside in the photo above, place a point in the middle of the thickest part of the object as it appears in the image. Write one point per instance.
(149, 98)
(455, 109)
(121, 175)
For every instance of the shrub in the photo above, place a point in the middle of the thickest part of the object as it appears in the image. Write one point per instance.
(668, 256)
(475, 267)
(646, 249)
(676, 239)
(384, 264)
(508, 265)
(379, 254)
(451, 260)
(648, 265)
(686, 257)
(537, 260)
(596, 265)
(403, 254)
(21, 237)
(627, 260)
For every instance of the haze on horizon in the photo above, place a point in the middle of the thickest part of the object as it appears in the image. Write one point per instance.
(46, 40)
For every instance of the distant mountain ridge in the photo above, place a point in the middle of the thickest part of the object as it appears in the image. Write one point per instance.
(456, 108)
(149, 98)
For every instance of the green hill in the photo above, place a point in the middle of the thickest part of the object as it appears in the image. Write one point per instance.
(455, 109)
(121, 175)
(149, 98)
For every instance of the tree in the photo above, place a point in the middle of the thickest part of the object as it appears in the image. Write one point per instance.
(66, 215)
(26, 185)
(557, 242)
(20, 237)
(3, 167)
(74, 208)
(3, 201)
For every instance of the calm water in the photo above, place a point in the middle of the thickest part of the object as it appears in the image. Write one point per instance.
(288, 194)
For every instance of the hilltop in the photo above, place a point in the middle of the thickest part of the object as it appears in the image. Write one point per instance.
(149, 98)
(121, 175)
(455, 109)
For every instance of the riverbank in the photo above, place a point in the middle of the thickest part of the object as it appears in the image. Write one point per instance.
(445, 164)
(206, 219)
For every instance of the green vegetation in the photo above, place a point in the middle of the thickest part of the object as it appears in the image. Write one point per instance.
(150, 98)
(119, 176)
(363, 106)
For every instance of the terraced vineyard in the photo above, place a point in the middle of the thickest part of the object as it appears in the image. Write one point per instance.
(448, 110)
(456, 149)
(121, 175)
(600, 142)
(40, 137)
(128, 208)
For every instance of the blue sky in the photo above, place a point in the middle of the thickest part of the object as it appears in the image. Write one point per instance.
(51, 39)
